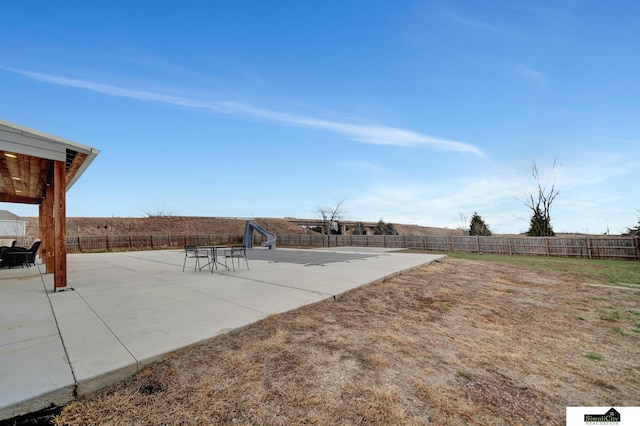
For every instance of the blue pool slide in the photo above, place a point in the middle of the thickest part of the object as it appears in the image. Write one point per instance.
(247, 241)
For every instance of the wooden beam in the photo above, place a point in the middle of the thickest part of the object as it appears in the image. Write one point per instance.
(60, 225)
(9, 198)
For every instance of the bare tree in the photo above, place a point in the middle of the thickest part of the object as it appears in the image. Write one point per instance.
(158, 213)
(540, 205)
(359, 229)
(463, 220)
(330, 215)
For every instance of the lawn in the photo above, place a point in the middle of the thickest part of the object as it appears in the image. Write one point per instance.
(468, 340)
(616, 272)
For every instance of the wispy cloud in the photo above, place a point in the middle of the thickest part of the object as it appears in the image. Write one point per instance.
(586, 202)
(533, 76)
(404, 200)
(366, 133)
(369, 167)
(503, 30)
(478, 25)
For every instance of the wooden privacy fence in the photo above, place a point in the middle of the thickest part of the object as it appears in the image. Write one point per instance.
(585, 246)
(582, 246)
(141, 242)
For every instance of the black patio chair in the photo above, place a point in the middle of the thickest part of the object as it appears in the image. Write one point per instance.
(20, 256)
(236, 252)
(5, 248)
(192, 252)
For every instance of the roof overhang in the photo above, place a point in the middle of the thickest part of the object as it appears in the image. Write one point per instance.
(26, 162)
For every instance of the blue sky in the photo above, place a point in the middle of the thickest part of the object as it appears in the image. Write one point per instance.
(410, 111)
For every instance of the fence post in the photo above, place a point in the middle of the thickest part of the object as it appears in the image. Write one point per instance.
(510, 247)
(152, 242)
(478, 243)
(79, 244)
(637, 244)
(588, 246)
(450, 243)
(108, 248)
(546, 243)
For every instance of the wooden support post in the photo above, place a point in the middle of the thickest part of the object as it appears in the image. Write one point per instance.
(60, 225)
(47, 230)
(42, 232)
(478, 243)
(637, 244)
(588, 246)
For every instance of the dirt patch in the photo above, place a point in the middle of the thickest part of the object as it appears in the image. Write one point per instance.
(456, 342)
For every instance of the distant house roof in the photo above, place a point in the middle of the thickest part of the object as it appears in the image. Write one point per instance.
(7, 215)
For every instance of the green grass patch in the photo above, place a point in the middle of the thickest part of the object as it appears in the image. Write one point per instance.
(610, 314)
(465, 375)
(625, 273)
(594, 356)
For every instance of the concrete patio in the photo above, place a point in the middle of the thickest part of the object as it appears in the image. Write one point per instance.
(124, 310)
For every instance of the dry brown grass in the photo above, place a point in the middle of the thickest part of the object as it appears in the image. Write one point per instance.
(456, 342)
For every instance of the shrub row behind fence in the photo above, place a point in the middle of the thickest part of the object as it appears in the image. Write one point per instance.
(591, 247)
